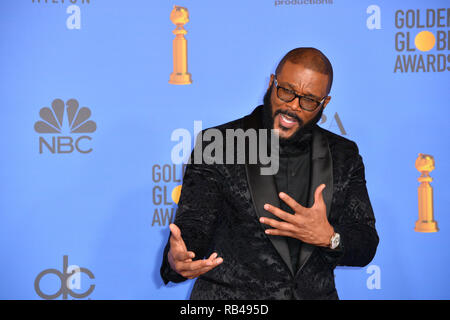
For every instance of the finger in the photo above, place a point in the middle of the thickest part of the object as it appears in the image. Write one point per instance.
(183, 255)
(177, 246)
(278, 224)
(176, 232)
(194, 265)
(318, 196)
(213, 259)
(283, 215)
(278, 232)
(176, 241)
(297, 207)
(195, 274)
(213, 256)
(199, 272)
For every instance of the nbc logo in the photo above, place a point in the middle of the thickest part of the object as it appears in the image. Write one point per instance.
(52, 123)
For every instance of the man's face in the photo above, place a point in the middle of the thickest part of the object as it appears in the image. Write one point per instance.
(288, 117)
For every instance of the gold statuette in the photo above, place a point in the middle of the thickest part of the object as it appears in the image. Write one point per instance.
(180, 75)
(425, 164)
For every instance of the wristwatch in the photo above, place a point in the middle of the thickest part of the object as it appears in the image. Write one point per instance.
(335, 240)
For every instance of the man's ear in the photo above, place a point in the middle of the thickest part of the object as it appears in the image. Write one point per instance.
(326, 101)
(271, 81)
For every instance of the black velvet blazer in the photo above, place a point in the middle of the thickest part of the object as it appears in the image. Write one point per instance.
(219, 211)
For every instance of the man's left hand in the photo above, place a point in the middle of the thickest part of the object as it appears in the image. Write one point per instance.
(309, 225)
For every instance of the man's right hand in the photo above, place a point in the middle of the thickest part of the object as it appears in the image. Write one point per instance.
(180, 259)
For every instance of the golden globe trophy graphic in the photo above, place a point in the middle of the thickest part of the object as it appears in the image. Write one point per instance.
(180, 75)
(426, 223)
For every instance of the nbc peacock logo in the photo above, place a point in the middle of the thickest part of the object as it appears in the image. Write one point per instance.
(53, 123)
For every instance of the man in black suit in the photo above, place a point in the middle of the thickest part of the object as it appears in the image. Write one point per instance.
(245, 235)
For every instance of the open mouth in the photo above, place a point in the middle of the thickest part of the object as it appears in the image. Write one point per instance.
(287, 121)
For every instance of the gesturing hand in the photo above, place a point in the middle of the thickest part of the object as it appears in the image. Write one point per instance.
(180, 259)
(309, 225)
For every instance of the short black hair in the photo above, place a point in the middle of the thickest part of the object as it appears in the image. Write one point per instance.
(310, 58)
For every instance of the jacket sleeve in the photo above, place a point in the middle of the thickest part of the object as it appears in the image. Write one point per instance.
(198, 209)
(355, 223)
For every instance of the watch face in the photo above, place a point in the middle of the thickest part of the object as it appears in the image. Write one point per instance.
(335, 241)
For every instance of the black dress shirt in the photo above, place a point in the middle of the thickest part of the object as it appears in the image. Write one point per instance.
(293, 178)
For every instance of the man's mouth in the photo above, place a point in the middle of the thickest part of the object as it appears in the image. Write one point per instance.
(287, 121)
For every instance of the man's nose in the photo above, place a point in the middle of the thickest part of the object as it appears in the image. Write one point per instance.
(294, 105)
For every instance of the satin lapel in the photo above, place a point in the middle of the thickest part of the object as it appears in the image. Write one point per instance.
(263, 190)
(321, 172)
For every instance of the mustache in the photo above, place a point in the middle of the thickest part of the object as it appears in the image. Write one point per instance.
(290, 114)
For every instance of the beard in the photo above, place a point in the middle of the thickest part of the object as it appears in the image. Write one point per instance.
(268, 121)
